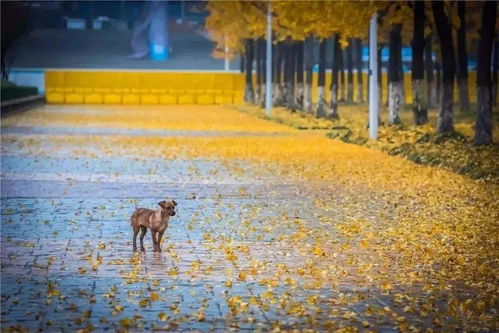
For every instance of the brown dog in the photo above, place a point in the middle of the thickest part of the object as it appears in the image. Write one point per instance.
(156, 220)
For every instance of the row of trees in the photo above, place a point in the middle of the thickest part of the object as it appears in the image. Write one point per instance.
(445, 29)
(15, 18)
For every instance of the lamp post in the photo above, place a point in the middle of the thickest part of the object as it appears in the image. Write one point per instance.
(268, 85)
(373, 79)
(226, 56)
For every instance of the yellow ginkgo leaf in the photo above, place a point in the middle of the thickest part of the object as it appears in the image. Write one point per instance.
(162, 316)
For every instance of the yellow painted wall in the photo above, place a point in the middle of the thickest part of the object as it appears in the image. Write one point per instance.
(153, 88)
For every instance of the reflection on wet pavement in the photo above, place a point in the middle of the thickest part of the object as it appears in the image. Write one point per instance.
(250, 248)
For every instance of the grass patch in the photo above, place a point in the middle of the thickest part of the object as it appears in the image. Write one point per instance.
(11, 91)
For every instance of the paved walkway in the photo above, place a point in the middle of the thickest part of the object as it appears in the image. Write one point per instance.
(251, 248)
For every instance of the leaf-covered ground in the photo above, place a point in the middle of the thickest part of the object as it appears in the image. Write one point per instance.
(420, 144)
(277, 228)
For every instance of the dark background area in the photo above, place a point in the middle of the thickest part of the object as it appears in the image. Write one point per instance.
(50, 14)
(47, 42)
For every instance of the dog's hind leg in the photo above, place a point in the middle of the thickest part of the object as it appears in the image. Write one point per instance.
(142, 234)
(135, 233)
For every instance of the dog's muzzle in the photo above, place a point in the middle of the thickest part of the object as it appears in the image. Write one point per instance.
(172, 214)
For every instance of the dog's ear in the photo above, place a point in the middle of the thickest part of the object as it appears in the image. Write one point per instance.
(174, 203)
(162, 204)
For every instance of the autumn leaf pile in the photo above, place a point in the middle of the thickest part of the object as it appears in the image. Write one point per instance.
(420, 144)
(421, 241)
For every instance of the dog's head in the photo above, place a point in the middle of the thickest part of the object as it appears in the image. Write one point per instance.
(168, 206)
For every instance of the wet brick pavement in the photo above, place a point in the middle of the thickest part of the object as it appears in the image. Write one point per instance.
(67, 261)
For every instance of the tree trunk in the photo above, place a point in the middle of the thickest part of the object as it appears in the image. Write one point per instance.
(394, 74)
(263, 68)
(309, 68)
(483, 125)
(275, 66)
(249, 95)
(241, 64)
(334, 78)
(321, 100)
(285, 72)
(495, 72)
(444, 29)
(350, 71)
(278, 74)
(380, 76)
(258, 63)
(291, 95)
(462, 59)
(5, 74)
(438, 82)
(419, 108)
(360, 91)
(299, 74)
(289, 68)
(430, 77)
(285, 65)
(402, 78)
(341, 64)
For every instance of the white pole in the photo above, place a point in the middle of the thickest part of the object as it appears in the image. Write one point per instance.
(226, 50)
(268, 85)
(373, 79)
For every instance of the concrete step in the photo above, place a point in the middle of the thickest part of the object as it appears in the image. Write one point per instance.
(21, 104)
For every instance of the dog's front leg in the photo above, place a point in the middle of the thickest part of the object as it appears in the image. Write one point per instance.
(154, 242)
(160, 235)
